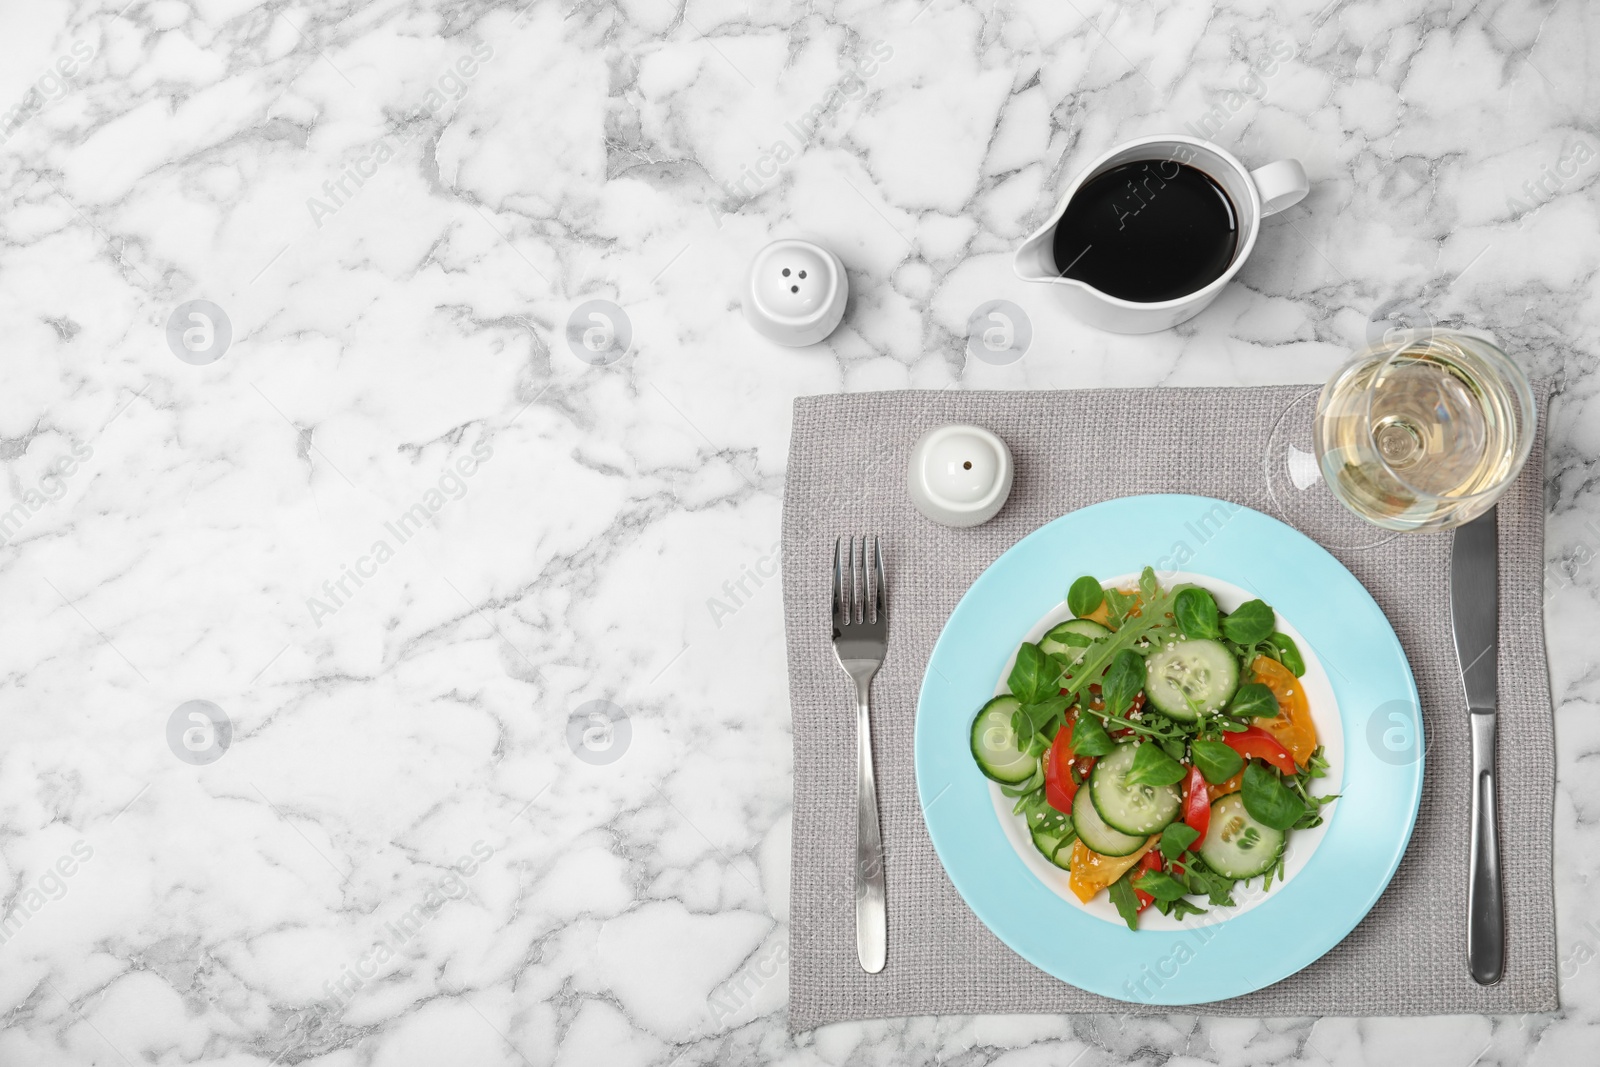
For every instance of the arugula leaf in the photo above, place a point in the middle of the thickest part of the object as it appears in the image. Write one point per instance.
(1283, 649)
(1267, 799)
(1122, 896)
(1123, 681)
(1179, 908)
(1176, 839)
(1036, 809)
(1065, 663)
(1031, 679)
(1316, 767)
(1279, 868)
(1022, 726)
(1161, 885)
(1100, 654)
(1249, 623)
(1118, 604)
(1089, 737)
(1044, 712)
(1035, 781)
(1062, 664)
(1253, 700)
(1151, 766)
(1025, 805)
(1033, 722)
(1202, 879)
(1196, 612)
(1312, 817)
(1217, 762)
(1065, 844)
(1084, 595)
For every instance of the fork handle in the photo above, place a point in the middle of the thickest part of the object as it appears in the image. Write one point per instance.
(872, 923)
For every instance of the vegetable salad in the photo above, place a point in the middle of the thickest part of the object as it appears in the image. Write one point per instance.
(1159, 749)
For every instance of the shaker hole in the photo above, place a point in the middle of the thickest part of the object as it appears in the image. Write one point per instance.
(967, 465)
(786, 272)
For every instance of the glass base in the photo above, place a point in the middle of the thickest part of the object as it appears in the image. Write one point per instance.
(1296, 490)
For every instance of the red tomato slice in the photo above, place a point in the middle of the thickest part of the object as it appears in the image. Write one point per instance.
(1059, 788)
(1257, 743)
(1151, 862)
(1197, 804)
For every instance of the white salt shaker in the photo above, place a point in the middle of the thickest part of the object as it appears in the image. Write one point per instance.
(795, 292)
(960, 475)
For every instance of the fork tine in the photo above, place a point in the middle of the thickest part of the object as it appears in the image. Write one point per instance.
(866, 581)
(850, 600)
(836, 577)
(868, 585)
(868, 599)
(881, 605)
(860, 591)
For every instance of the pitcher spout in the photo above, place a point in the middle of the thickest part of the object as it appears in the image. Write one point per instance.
(1035, 261)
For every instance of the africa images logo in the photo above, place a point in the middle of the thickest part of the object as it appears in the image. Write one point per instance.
(598, 732)
(599, 332)
(199, 732)
(999, 332)
(199, 332)
(1394, 732)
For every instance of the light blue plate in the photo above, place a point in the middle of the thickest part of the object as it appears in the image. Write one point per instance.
(1368, 827)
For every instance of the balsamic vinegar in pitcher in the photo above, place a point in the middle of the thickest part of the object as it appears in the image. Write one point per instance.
(1146, 231)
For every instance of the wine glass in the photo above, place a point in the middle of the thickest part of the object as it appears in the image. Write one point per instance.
(1424, 430)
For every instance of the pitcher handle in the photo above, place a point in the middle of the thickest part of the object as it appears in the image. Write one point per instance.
(1282, 184)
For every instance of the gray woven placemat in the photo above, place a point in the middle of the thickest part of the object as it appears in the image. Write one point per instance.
(846, 474)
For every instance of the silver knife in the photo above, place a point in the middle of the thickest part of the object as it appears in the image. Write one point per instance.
(1475, 616)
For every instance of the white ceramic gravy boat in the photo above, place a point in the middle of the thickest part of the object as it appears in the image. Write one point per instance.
(1255, 194)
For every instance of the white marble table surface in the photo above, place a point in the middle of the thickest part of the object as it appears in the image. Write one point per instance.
(399, 858)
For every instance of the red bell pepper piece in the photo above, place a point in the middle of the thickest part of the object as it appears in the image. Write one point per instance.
(1256, 742)
(1197, 805)
(1151, 862)
(1059, 788)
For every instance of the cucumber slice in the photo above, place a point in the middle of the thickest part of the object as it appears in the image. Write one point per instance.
(994, 743)
(1131, 809)
(1093, 831)
(1236, 845)
(1055, 845)
(1052, 642)
(1200, 669)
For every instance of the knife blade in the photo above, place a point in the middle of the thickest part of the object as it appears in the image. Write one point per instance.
(1475, 621)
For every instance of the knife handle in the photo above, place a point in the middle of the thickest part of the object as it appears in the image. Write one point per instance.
(1486, 933)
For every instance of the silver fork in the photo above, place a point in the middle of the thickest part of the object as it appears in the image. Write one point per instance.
(860, 640)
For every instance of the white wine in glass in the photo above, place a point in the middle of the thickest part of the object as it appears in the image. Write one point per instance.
(1424, 431)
